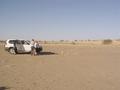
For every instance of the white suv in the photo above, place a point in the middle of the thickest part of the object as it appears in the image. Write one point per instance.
(22, 46)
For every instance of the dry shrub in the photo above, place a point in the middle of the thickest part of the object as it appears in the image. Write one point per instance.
(73, 43)
(107, 41)
(45, 42)
(61, 40)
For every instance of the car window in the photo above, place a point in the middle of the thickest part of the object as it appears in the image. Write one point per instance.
(12, 41)
(27, 43)
(18, 42)
(23, 42)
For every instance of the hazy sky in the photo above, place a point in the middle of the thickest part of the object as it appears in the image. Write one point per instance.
(59, 19)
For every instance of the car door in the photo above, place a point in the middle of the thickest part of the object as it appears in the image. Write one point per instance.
(27, 46)
(19, 46)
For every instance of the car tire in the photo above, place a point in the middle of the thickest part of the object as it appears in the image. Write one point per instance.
(12, 51)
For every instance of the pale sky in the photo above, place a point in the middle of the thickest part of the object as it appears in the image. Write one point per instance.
(60, 19)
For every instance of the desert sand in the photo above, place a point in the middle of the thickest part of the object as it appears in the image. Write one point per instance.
(62, 67)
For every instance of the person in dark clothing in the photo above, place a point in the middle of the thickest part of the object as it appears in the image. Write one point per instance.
(15, 46)
(33, 47)
(37, 48)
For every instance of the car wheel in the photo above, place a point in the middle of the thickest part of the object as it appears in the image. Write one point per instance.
(12, 51)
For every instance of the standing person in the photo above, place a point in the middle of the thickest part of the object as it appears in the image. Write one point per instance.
(15, 47)
(33, 47)
(37, 47)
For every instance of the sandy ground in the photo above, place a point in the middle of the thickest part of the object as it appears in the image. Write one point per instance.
(62, 67)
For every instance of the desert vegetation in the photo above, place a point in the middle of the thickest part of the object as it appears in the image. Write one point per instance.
(107, 41)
